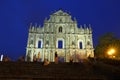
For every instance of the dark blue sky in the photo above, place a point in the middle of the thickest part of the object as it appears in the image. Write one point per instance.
(16, 15)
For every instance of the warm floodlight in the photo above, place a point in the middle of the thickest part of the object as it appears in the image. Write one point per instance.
(111, 51)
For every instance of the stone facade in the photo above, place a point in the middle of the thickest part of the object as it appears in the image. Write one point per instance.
(59, 34)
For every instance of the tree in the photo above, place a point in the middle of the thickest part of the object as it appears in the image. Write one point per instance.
(6, 59)
(21, 59)
(105, 42)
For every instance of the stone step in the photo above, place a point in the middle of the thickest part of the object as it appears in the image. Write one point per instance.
(37, 71)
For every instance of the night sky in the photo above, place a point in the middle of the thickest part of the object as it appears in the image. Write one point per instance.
(16, 16)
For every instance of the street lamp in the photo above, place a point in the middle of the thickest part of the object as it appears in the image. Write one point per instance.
(111, 52)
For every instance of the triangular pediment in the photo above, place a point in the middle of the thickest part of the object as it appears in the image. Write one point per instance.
(60, 12)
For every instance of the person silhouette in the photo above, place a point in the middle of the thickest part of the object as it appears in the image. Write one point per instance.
(56, 58)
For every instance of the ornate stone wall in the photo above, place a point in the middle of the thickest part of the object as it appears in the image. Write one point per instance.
(60, 34)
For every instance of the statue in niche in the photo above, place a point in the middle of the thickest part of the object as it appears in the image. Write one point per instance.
(88, 43)
(73, 43)
(47, 42)
(61, 20)
(31, 41)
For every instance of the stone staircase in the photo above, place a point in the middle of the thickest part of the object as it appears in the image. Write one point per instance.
(37, 71)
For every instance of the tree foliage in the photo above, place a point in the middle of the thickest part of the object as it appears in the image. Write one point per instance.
(6, 59)
(21, 59)
(105, 42)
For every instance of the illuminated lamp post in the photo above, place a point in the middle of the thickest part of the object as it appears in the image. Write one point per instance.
(111, 52)
(1, 59)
